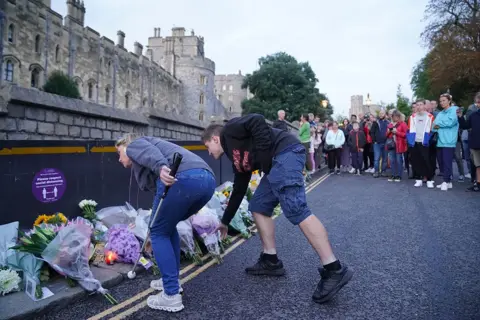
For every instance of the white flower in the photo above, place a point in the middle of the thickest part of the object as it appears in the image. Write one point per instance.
(9, 281)
(86, 202)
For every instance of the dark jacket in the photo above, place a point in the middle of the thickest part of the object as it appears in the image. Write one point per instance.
(472, 123)
(250, 144)
(356, 140)
(280, 124)
(378, 132)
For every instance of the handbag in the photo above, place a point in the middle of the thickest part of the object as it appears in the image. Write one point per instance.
(390, 144)
(329, 147)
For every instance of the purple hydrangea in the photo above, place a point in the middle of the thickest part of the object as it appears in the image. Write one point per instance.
(123, 242)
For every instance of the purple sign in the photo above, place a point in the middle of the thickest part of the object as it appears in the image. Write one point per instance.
(49, 185)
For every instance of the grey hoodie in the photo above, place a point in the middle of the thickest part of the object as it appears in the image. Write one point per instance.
(149, 155)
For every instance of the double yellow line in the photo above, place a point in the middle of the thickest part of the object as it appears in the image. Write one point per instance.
(189, 277)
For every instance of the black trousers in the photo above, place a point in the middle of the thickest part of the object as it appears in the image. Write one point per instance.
(421, 162)
(334, 157)
(368, 155)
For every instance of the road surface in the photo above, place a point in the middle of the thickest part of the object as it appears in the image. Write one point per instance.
(415, 253)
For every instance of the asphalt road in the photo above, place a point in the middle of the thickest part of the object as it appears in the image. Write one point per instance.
(415, 253)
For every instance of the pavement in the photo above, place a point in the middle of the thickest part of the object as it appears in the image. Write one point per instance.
(415, 254)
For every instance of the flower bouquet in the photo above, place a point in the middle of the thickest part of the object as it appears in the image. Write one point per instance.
(205, 223)
(56, 219)
(187, 242)
(88, 209)
(68, 254)
(123, 242)
(9, 281)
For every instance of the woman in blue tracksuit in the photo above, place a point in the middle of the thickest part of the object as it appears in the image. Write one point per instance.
(446, 125)
(193, 186)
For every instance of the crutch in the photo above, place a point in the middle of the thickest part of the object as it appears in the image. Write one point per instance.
(177, 158)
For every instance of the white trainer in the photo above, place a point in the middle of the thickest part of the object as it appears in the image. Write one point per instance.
(448, 185)
(418, 183)
(164, 302)
(158, 285)
(430, 185)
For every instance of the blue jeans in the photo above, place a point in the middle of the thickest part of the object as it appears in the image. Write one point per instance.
(186, 197)
(285, 185)
(396, 163)
(379, 152)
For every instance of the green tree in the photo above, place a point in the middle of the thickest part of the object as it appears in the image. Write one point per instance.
(403, 103)
(59, 83)
(281, 82)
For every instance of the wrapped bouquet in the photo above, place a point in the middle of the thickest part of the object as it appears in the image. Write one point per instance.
(205, 223)
(123, 242)
(187, 242)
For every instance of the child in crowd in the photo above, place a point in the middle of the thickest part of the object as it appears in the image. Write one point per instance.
(356, 141)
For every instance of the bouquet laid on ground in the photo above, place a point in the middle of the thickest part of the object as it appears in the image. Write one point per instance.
(123, 242)
(205, 223)
(9, 281)
(88, 209)
(188, 244)
(54, 219)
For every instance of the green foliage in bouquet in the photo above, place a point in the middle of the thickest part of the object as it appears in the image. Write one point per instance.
(249, 194)
(36, 242)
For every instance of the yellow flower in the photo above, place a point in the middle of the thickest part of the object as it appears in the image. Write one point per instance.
(255, 172)
(49, 218)
(62, 217)
(41, 219)
(226, 194)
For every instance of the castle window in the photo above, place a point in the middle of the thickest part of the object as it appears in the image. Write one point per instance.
(8, 71)
(224, 87)
(90, 90)
(202, 98)
(144, 102)
(37, 44)
(109, 68)
(230, 109)
(127, 100)
(11, 33)
(35, 78)
(200, 116)
(57, 53)
(230, 88)
(203, 80)
(230, 98)
(107, 95)
(152, 103)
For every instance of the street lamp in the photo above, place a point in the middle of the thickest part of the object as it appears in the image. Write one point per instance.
(368, 101)
(324, 103)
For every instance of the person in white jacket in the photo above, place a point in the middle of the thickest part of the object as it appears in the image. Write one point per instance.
(333, 145)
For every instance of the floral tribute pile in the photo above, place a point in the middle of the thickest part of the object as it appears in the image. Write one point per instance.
(58, 246)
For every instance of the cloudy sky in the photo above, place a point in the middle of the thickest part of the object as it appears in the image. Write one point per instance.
(354, 47)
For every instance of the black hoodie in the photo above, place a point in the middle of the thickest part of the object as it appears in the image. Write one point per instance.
(250, 144)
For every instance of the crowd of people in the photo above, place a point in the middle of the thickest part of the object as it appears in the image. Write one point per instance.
(420, 147)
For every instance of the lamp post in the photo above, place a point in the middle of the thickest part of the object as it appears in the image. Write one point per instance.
(324, 103)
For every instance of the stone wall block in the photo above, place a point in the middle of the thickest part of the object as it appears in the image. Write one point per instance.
(107, 135)
(51, 116)
(46, 128)
(26, 125)
(74, 131)
(35, 113)
(61, 129)
(101, 124)
(85, 133)
(18, 136)
(96, 133)
(79, 121)
(66, 119)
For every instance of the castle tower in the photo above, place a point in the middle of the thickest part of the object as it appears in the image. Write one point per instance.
(183, 56)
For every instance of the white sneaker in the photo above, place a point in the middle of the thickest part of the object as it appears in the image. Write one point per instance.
(430, 185)
(468, 176)
(443, 186)
(158, 285)
(352, 171)
(449, 185)
(418, 183)
(164, 302)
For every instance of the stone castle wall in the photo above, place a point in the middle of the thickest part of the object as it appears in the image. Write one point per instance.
(38, 41)
(30, 114)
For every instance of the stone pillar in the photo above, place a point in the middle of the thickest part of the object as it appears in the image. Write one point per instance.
(138, 48)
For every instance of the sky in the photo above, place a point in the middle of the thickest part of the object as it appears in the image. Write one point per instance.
(354, 47)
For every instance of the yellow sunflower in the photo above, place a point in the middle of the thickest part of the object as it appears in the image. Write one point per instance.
(41, 219)
(62, 217)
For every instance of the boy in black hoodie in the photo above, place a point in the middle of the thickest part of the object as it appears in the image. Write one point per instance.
(252, 145)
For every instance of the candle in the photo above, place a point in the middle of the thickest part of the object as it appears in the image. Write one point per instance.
(110, 257)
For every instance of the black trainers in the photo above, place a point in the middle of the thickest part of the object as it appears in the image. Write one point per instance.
(474, 188)
(397, 179)
(263, 267)
(330, 283)
(390, 179)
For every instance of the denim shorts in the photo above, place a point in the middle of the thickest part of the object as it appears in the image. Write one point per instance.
(285, 185)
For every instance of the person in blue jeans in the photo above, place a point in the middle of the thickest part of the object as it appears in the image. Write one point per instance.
(446, 124)
(191, 189)
(379, 137)
(251, 145)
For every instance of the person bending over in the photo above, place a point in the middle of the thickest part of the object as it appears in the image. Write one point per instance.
(251, 144)
(191, 189)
